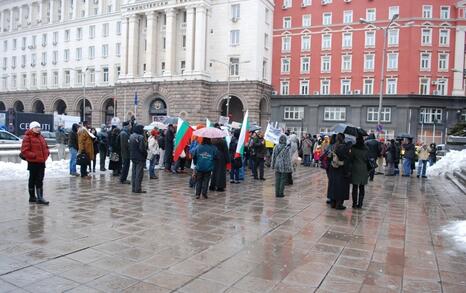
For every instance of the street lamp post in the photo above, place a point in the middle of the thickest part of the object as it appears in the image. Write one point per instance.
(228, 65)
(382, 70)
(84, 89)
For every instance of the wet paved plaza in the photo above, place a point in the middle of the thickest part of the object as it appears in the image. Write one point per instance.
(96, 236)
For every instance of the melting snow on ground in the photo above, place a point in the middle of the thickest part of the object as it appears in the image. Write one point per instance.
(452, 161)
(18, 171)
(457, 232)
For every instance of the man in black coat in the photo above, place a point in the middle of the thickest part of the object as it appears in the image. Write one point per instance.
(169, 146)
(138, 155)
(102, 138)
(374, 152)
(124, 149)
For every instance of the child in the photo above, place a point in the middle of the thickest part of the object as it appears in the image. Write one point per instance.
(317, 156)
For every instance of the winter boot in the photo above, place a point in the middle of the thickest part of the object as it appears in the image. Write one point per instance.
(354, 195)
(40, 196)
(361, 198)
(32, 195)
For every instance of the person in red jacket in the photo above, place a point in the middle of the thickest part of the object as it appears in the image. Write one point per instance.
(35, 151)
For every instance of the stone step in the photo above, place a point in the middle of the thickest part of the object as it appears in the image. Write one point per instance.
(459, 180)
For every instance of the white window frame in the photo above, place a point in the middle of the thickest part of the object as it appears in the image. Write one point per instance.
(235, 11)
(347, 40)
(305, 43)
(392, 61)
(369, 62)
(442, 86)
(426, 36)
(287, 22)
(393, 37)
(234, 38)
(425, 61)
(326, 41)
(286, 43)
(345, 86)
(305, 64)
(428, 115)
(443, 62)
(91, 32)
(373, 114)
(105, 74)
(348, 16)
(284, 87)
(444, 15)
(105, 29)
(371, 14)
(104, 50)
(444, 37)
(285, 65)
(327, 18)
(368, 86)
(346, 63)
(334, 113)
(325, 64)
(304, 87)
(392, 10)
(325, 86)
(424, 86)
(91, 52)
(391, 86)
(427, 11)
(306, 20)
(369, 39)
(293, 113)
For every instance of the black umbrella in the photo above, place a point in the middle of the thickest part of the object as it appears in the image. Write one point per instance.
(402, 135)
(348, 129)
(171, 120)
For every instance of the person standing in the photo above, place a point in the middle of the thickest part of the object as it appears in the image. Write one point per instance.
(408, 157)
(123, 139)
(96, 149)
(260, 152)
(61, 142)
(359, 171)
(154, 153)
(339, 173)
(306, 146)
(35, 151)
(103, 146)
(236, 163)
(433, 154)
(423, 158)
(281, 163)
(219, 176)
(115, 153)
(204, 159)
(169, 147)
(138, 156)
(85, 146)
(374, 152)
(73, 146)
(391, 157)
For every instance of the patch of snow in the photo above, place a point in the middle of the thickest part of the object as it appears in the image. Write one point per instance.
(457, 231)
(451, 162)
(19, 171)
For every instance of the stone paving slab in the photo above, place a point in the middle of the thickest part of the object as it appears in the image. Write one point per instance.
(96, 236)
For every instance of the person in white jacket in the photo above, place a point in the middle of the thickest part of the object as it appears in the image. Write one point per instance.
(153, 153)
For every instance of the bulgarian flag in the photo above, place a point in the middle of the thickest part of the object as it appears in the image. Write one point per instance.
(243, 136)
(182, 137)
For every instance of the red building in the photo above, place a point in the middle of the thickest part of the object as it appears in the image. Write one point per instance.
(335, 48)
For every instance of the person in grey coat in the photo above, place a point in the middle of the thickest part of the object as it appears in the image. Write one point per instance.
(138, 155)
(124, 149)
(359, 171)
(61, 142)
(281, 163)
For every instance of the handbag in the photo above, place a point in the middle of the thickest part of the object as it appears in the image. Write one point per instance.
(82, 159)
(237, 163)
(336, 162)
(114, 157)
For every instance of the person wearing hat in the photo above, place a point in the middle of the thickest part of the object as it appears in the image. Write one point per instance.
(35, 151)
(154, 153)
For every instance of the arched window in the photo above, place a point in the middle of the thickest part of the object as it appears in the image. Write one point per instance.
(38, 107)
(18, 106)
(60, 107)
(2, 106)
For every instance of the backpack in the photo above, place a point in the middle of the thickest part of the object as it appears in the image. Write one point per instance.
(205, 161)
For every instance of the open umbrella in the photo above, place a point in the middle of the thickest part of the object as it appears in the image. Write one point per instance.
(155, 124)
(254, 127)
(171, 120)
(402, 135)
(210, 132)
(348, 129)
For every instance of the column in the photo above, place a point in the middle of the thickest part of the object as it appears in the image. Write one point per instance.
(200, 46)
(52, 12)
(63, 10)
(1, 21)
(151, 52)
(20, 17)
(189, 39)
(458, 75)
(75, 9)
(87, 9)
(31, 8)
(170, 41)
(41, 15)
(124, 47)
(10, 29)
(101, 7)
(114, 5)
(133, 42)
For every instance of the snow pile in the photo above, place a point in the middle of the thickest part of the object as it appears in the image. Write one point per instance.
(457, 231)
(452, 161)
(18, 171)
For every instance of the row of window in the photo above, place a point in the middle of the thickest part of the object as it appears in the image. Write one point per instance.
(338, 113)
(347, 17)
(371, 13)
(91, 54)
(391, 87)
(31, 80)
(55, 37)
(369, 40)
(369, 63)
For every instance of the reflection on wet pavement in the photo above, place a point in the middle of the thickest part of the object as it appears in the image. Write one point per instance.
(96, 236)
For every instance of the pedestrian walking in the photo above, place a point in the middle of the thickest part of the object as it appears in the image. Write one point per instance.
(339, 173)
(258, 144)
(408, 157)
(85, 146)
(138, 156)
(359, 171)
(423, 158)
(103, 146)
(35, 151)
(281, 163)
(61, 142)
(73, 147)
(123, 138)
(153, 153)
(204, 158)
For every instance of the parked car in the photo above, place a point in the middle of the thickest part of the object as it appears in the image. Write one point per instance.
(9, 138)
(50, 137)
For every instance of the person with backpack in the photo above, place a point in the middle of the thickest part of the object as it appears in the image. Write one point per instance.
(204, 159)
(35, 151)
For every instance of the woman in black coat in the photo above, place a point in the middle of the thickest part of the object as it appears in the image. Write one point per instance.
(219, 175)
(339, 176)
(115, 165)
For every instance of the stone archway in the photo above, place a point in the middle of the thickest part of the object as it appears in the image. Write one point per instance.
(85, 113)
(2, 106)
(158, 109)
(18, 106)
(38, 107)
(235, 109)
(264, 111)
(108, 111)
(60, 107)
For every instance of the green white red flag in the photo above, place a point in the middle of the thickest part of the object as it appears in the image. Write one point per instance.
(243, 136)
(182, 136)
